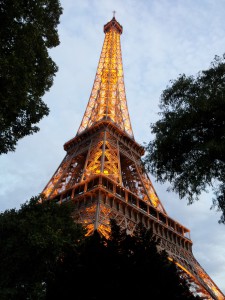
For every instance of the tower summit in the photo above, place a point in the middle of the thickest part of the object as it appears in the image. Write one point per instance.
(103, 174)
(108, 99)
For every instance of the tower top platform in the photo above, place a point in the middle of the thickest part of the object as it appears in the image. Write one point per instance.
(113, 24)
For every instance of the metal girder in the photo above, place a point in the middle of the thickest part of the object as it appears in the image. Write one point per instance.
(103, 174)
(108, 98)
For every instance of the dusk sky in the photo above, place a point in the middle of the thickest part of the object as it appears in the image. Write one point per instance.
(161, 39)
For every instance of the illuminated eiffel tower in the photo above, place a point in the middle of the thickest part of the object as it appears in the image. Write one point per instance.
(102, 172)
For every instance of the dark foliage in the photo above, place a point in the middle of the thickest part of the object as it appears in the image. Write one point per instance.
(44, 255)
(189, 145)
(33, 242)
(122, 267)
(28, 28)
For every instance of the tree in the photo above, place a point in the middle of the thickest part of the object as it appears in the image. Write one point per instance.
(45, 255)
(188, 149)
(27, 30)
(144, 268)
(122, 267)
(33, 242)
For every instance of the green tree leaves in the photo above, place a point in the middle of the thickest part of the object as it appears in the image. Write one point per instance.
(189, 145)
(45, 255)
(33, 241)
(27, 30)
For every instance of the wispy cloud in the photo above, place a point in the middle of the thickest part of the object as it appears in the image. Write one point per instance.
(161, 40)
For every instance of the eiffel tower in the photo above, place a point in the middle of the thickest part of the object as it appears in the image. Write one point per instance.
(103, 174)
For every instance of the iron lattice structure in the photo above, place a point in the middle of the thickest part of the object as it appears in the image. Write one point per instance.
(103, 174)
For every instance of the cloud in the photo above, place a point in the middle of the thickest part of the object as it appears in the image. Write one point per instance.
(161, 39)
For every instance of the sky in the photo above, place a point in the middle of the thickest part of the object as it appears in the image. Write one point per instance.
(161, 39)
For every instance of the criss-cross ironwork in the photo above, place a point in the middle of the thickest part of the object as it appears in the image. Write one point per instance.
(103, 174)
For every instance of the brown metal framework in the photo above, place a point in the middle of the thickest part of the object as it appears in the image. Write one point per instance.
(108, 98)
(103, 174)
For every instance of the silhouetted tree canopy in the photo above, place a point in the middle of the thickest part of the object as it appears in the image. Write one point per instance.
(28, 29)
(188, 149)
(33, 241)
(44, 255)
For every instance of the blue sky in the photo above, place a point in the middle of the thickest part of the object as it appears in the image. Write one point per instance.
(161, 39)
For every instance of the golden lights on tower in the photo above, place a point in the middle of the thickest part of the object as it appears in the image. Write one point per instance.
(108, 99)
(102, 172)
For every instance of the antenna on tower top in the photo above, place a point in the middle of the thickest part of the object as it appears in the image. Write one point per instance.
(114, 12)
